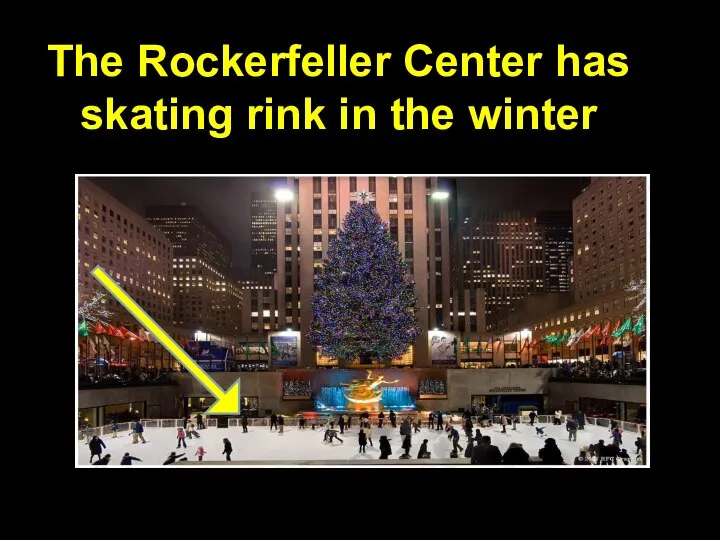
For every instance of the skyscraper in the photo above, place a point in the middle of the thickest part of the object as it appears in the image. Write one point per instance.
(420, 213)
(502, 253)
(558, 249)
(206, 297)
(263, 233)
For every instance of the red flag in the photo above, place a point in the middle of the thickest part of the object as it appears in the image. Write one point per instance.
(605, 333)
(98, 328)
(111, 330)
(526, 344)
(592, 332)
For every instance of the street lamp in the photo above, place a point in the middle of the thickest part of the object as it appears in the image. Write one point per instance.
(440, 195)
(284, 195)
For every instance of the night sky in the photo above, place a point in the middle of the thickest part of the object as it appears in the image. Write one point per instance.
(226, 201)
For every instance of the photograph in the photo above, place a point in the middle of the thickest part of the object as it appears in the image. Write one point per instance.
(298, 321)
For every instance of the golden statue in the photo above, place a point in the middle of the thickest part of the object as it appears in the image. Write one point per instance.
(365, 394)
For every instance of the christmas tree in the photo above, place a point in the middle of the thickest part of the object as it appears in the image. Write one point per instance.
(364, 303)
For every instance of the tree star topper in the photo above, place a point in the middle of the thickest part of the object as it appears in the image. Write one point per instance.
(364, 196)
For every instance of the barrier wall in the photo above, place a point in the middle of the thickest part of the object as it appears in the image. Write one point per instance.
(560, 392)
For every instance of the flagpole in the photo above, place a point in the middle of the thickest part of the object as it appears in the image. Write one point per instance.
(86, 352)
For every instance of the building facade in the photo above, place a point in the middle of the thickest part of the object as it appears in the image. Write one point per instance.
(259, 313)
(136, 254)
(502, 254)
(206, 298)
(422, 224)
(557, 249)
(263, 233)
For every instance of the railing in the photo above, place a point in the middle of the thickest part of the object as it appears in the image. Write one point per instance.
(321, 420)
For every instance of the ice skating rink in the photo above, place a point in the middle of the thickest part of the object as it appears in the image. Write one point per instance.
(302, 445)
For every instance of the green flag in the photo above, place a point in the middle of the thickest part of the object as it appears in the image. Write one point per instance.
(639, 327)
(467, 345)
(83, 328)
(479, 347)
(626, 327)
(262, 347)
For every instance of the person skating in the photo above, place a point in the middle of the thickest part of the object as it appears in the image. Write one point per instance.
(571, 427)
(478, 437)
(516, 455)
(423, 452)
(138, 432)
(540, 431)
(406, 445)
(362, 441)
(468, 427)
(341, 424)
(104, 460)
(551, 455)
(348, 421)
(532, 416)
(393, 419)
(244, 423)
(127, 459)
(173, 457)
(96, 447)
(368, 432)
(515, 421)
(89, 432)
(504, 423)
(200, 421)
(181, 437)
(281, 422)
(617, 437)
(580, 419)
(486, 453)
(469, 447)
(385, 449)
(331, 433)
(381, 417)
(416, 426)
(455, 436)
(273, 421)
(200, 453)
(557, 421)
(227, 449)
(431, 421)
(114, 428)
(301, 423)
(185, 420)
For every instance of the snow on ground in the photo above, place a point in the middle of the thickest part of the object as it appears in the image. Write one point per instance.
(294, 444)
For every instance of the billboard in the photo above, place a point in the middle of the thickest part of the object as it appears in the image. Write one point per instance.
(443, 348)
(284, 349)
(208, 356)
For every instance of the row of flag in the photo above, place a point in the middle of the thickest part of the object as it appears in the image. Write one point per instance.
(118, 331)
(570, 339)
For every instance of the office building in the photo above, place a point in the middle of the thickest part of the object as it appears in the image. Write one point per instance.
(557, 249)
(502, 254)
(259, 313)
(263, 232)
(421, 218)
(137, 255)
(206, 297)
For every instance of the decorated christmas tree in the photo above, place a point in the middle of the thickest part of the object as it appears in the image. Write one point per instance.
(364, 303)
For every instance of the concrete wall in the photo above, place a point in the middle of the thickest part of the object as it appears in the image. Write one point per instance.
(160, 401)
(560, 392)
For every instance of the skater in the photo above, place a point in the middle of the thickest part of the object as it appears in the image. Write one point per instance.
(185, 422)
(385, 449)
(104, 461)
(515, 421)
(431, 421)
(416, 426)
(439, 421)
(407, 444)
(200, 453)
(281, 422)
(200, 421)
(540, 431)
(478, 437)
(581, 419)
(516, 455)
(301, 423)
(138, 432)
(348, 420)
(469, 447)
(638, 446)
(617, 437)
(532, 416)
(455, 436)
(89, 432)
(558, 418)
(368, 432)
(192, 433)
(468, 428)
(243, 423)
(127, 459)
(273, 421)
(173, 457)
(381, 417)
(181, 437)
(393, 419)
(332, 433)
(362, 441)
(96, 446)
(227, 449)
(504, 422)
(114, 428)
(423, 452)
(571, 427)
(341, 424)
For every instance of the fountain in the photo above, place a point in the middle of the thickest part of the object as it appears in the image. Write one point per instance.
(364, 395)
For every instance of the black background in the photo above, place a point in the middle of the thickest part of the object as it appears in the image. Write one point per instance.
(621, 141)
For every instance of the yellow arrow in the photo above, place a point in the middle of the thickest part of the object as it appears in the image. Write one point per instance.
(227, 402)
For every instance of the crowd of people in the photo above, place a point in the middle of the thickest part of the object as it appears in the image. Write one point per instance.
(297, 388)
(603, 372)
(137, 376)
(432, 387)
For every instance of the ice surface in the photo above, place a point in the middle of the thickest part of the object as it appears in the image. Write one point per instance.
(294, 444)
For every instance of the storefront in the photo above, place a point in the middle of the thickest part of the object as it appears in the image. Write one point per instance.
(507, 403)
(249, 405)
(621, 410)
(105, 415)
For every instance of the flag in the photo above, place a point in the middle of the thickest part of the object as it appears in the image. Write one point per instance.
(526, 344)
(488, 345)
(513, 345)
(604, 333)
(111, 330)
(479, 347)
(144, 335)
(626, 327)
(83, 328)
(263, 349)
(98, 328)
(467, 345)
(639, 327)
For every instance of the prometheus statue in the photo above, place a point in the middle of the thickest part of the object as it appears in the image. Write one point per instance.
(364, 394)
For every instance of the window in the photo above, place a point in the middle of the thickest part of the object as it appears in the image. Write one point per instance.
(371, 185)
(332, 185)
(317, 184)
(407, 184)
(393, 185)
(353, 184)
